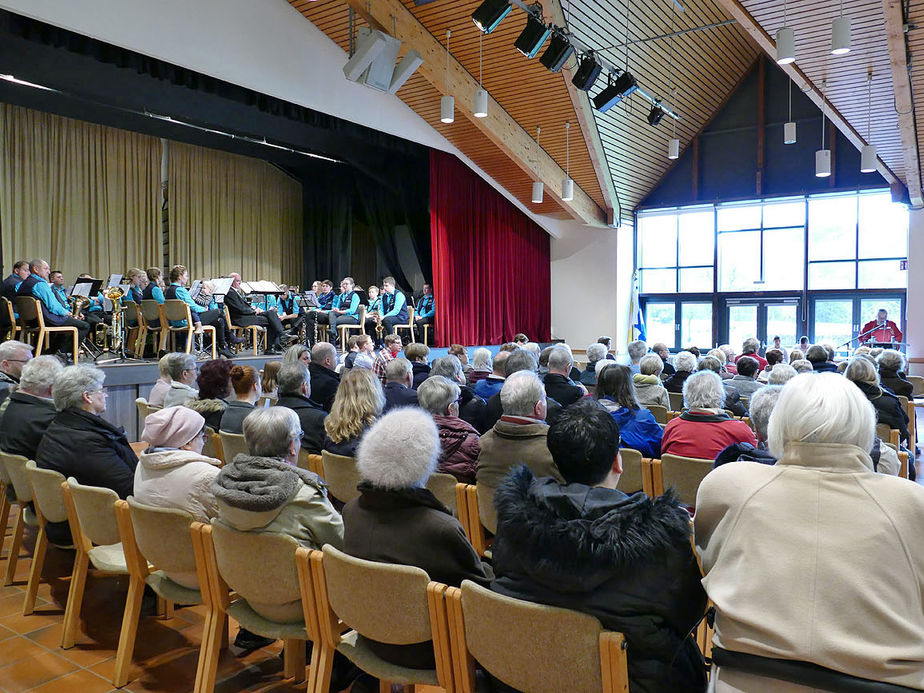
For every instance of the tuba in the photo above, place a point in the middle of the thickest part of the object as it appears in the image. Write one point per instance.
(115, 294)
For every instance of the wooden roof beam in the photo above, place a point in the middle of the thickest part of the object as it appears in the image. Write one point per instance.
(499, 126)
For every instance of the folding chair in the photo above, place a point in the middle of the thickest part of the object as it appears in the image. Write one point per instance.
(684, 474)
(344, 329)
(443, 486)
(340, 475)
(7, 308)
(15, 470)
(255, 332)
(154, 322)
(176, 310)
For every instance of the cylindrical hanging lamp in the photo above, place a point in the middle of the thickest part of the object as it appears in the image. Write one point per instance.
(447, 103)
(481, 96)
(538, 188)
(840, 35)
(673, 148)
(785, 46)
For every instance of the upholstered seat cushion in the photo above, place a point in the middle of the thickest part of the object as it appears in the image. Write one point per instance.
(355, 648)
(109, 558)
(242, 612)
(172, 591)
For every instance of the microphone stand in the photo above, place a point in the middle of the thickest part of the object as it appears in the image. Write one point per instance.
(862, 334)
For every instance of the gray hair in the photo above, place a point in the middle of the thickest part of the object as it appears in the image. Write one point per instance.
(532, 348)
(436, 393)
(400, 450)
(595, 352)
(38, 375)
(803, 366)
(637, 350)
(703, 390)
(179, 362)
(729, 352)
(821, 408)
(294, 353)
(761, 406)
(11, 348)
(481, 359)
(449, 366)
(750, 345)
(781, 374)
(685, 361)
(520, 393)
(72, 381)
(163, 366)
(889, 358)
(269, 432)
(861, 370)
(291, 377)
(651, 364)
(321, 351)
(560, 358)
(397, 369)
(719, 355)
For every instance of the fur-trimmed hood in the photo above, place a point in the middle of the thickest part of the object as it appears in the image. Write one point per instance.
(206, 406)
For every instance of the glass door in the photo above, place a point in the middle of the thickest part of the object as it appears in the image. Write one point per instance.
(742, 323)
(763, 319)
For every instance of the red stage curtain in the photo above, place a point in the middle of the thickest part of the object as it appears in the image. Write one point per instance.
(492, 276)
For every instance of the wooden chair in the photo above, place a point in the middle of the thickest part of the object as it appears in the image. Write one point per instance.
(889, 435)
(7, 307)
(154, 322)
(903, 464)
(213, 447)
(501, 634)
(49, 507)
(676, 399)
(265, 401)
(311, 462)
(7, 499)
(95, 531)
(349, 590)
(908, 408)
(176, 310)
(443, 486)
(462, 510)
(15, 467)
(30, 311)
(255, 332)
(684, 474)
(344, 330)
(635, 475)
(340, 475)
(145, 408)
(232, 444)
(410, 323)
(659, 413)
(476, 521)
(917, 385)
(133, 321)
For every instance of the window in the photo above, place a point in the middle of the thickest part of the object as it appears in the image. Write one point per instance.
(676, 251)
(659, 323)
(679, 324)
(695, 325)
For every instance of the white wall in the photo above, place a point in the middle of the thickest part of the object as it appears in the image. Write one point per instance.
(915, 300)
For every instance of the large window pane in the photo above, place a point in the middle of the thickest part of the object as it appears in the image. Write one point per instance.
(832, 228)
(697, 239)
(869, 307)
(658, 281)
(742, 323)
(739, 261)
(833, 321)
(657, 238)
(782, 323)
(784, 214)
(831, 275)
(881, 274)
(734, 217)
(659, 323)
(696, 325)
(696, 280)
(784, 259)
(883, 227)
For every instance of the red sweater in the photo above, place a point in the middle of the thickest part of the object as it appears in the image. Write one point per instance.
(760, 359)
(704, 435)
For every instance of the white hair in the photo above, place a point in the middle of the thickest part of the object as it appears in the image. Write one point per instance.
(179, 362)
(38, 375)
(601, 364)
(595, 352)
(821, 408)
(72, 381)
(163, 366)
(703, 390)
(520, 393)
(436, 393)
(685, 361)
(637, 350)
(651, 364)
(397, 369)
(11, 348)
(781, 374)
(761, 406)
(269, 432)
(400, 450)
(889, 358)
(560, 358)
(803, 366)
(532, 348)
(449, 366)
(718, 354)
(861, 369)
(750, 345)
(729, 352)
(481, 359)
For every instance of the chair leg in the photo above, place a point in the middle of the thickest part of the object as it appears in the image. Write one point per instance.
(40, 342)
(322, 666)
(5, 506)
(74, 600)
(214, 639)
(35, 571)
(129, 631)
(294, 660)
(13, 556)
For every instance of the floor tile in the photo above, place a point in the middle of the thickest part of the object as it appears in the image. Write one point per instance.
(26, 624)
(16, 649)
(34, 671)
(80, 681)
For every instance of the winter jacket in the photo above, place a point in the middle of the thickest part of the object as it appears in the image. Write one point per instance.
(637, 428)
(825, 367)
(459, 448)
(232, 421)
(649, 390)
(489, 386)
(745, 385)
(474, 377)
(733, 398)
(398, 395)
(472, 409)
(589, 376)
(625, 560)
(324, 384)
(510, 444)
(421, 372)
(896, 382)
(179, 394)
(703, 435)
(311, 417)
(676, 381)
(24, 422)
(761, 361)
(8, 384)
(211, 410)
(562, 389)
(888, 408)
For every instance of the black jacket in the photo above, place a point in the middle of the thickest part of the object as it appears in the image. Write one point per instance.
(24, 423)
(399, 395)
(312, 418)
(90, 449)
(733, 399)
(472, 409)
(562, 389)
(888, 408)
(494, 410)
(626, 560)
(232, 421)
(324, 384)
(421, 372)
(237, 306)
(676, 381)
(743, 452)
(896, 382)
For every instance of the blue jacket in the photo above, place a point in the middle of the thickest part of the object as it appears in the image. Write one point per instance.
(354, 303)
(488, 387)
(426, 307)
(394, 305)
(326, 301)
(38, 288)
(637, 428)
(375, 305)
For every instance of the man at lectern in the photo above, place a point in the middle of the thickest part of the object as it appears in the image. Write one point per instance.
(881, 329)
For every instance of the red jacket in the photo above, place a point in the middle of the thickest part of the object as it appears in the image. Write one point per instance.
(760, 359)
(704, 436)
(887, 333)
(460, 446)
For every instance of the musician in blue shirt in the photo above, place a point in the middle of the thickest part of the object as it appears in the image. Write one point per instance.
(426, 310)
(154, 291)
(37, 286)
(179, 276)
(345, 308)
(58, 290)
(320, 315)
(394, 306)
(136, 279)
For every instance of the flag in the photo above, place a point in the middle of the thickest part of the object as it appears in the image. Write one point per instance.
(637, 326)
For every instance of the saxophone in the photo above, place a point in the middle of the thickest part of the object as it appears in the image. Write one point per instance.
(117, 334)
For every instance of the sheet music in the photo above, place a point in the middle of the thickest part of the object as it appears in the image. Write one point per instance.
(245, 287)
(114, 280)
(222, 285)
(195, 289)
(82, 289)
(265, 287)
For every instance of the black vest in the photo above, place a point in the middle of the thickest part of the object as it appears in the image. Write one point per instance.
(170, 291)
(346, 300)
(148, 293)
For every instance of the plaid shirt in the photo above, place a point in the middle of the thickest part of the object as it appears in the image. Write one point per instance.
(381, 362)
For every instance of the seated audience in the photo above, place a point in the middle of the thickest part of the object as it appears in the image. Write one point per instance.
(491, 384)
(891, 373)
(30, 409)
(459, 445)
(471, 406)
(745, 382)
(749, 348)
(156, 396)
(398, 380)
(607, 343)
(365, 357)
(795, 355)
(684, 365)
(359, 402)
(396, 519)
(214, 381)
(637, 427)
(324, 379)
(517, 361)
(246, 384)
(704, 429)
(568, 544)
(762, 405)
(773, 356)
(297, 352)
(817, 355)
(803, 366)
(660, 348)
(268, 379)
(733, 401)
(532, 348)
(461, 353)
(543, 361)
(637, 350)
(648, 387)
(862, 372)
(719, 356)
(781, 374)
(481, 366)
(825, 604)
(558, 383)
(417, 354)
(13, 355)
(595, 353)
(349, 356)
(295, 394)
(386, 354)
(729, 352)
(183, 374)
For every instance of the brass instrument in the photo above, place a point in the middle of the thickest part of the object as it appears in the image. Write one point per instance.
(117, 333)
(78, 304)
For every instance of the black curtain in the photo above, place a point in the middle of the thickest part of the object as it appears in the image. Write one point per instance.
(328, 224)
(383, 211)
(416, 199)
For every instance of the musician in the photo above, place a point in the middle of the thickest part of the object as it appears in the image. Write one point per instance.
(11, 284)
(373, 313)
(37, 286)
(179, 277)
(58, 289)
(394, 305)
(881, 329)
(345, 308)
(136, 281)
(96, 312)
(426, 311)
(319, 315)
(154, 291)
(290, 313)
(243, 315)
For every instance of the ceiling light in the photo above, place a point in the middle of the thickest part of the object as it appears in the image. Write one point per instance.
(481, 96)
(587, 73)
(538, 189)
(534, 33)
(785, 46)
(447, 103)
(868, 152)
(789, 127)
(558, 52)
(823, 156)
(840, 35)
(655, 115)
(490, 13)
(673, 148)
(567, 185)
(615, 92)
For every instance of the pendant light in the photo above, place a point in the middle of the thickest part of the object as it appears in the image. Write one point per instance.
(823, 156)
(567, 185)
(481, 96)
(789, 127)
(673, 144)
(785, 42)
(447, 103)
(868, 153)
(840, 33)
(538, 187)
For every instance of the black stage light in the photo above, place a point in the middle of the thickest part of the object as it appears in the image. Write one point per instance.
(615, 92)
(533, 35)
(490, 13)
(655, 115)
(559, 50)
(587, 73)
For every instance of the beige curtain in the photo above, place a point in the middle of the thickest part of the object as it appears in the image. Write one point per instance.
(85, 197)
(230, 213)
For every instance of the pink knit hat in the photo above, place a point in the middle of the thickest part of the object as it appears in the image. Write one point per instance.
(172, 427)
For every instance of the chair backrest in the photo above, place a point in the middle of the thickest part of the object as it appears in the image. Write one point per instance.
(917, 385)
(889, 435)
(46, 492)
(505, 635)
(232, 444)
(676, 399)
(659, 412)
(145, 408)
(903, 464)
(443, 486)
(131, 310)
(355, 588)
(150, 309)
(15, 466)
(311, 462)
(685, 475)
(340, 475)
(212, 447)
(95, 508)
(486, 512)
(176, 310)
(28, 308)
(163, 537)
(7, 306)
(633, 475)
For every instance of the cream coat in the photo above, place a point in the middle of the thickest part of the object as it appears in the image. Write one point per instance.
(816, 559)
(648, 390)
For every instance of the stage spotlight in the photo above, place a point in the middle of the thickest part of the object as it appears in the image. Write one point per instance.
(655, 115)
(587, 73)
(615, 92)
(490, 13)
(533, 35)
(559, 50)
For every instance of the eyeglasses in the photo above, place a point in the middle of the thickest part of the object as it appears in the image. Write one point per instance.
(19, 360)
(94, 392)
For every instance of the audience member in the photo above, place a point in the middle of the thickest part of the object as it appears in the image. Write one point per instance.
(781, 374)
(214, 381)
(595, 353)
(607, 343)
(359, 402)
(796, 355)
(648, 387)
(578, 543)
(13, 355)
(558, 383)
(324, 379)
(398, 380)
(246, 384)
(183, 374)
(637, 427)
(660, 348)
(891, 373)
(471, 406)
(729, 352)
(459, 445)
(733, 401)
(803, 344)
(349, 356)
(762, 404)
(417, 354)
(543, 361)
(719, 356)
(30, 408)
(386, 354)
(704, 429)
(803, 366)
(750, 348)
(159, 390)
(295, 393)
(481, 366)
(365, 357)
(824, 605)
(747, 372)
(519, 339)
(396, 519)
(491, 384)
(532, 348)
(817, 355)
(773, 356)
(684, 365)
(862, 372)
(461, 353)
(297, 352)
(268, 381)
(637, 350)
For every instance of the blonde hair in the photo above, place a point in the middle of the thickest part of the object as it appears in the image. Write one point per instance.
(359, 402)
(270, 371)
